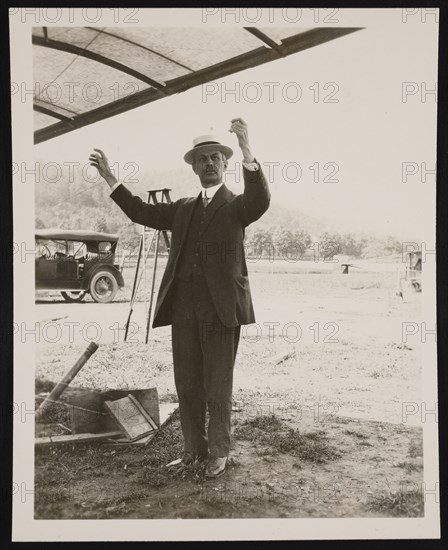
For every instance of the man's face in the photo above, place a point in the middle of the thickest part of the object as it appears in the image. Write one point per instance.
(210, 166)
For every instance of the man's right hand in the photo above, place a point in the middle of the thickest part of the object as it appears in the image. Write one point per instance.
(99, 160)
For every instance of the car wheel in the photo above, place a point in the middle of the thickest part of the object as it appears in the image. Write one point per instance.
(103, 287)
(74, 296)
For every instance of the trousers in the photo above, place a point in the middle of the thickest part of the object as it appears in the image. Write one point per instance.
(204, 352)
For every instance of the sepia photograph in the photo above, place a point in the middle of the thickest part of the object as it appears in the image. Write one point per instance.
(224, 273)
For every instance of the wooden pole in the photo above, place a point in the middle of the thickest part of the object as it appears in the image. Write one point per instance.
(134, 288)
(151, 298)
(61, 386)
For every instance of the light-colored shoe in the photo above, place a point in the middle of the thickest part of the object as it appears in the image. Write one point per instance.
(216, 466)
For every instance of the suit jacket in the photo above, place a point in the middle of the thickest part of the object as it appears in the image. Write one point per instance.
(221, 243)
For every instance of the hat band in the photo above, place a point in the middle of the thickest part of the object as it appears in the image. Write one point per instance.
(207, 143)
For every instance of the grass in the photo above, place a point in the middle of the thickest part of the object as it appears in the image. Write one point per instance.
(356, 434)
(59, 466)
(409, 467)
(399, 503)
(415, 448)
(272, 431)
(43, 385)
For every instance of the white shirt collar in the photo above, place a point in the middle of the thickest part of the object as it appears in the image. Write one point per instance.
(211, 190)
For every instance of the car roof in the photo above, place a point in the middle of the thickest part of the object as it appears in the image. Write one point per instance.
(75, 235)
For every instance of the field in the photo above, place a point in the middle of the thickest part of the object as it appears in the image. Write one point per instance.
(323, 433)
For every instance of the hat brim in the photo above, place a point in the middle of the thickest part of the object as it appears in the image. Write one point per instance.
(227, 151)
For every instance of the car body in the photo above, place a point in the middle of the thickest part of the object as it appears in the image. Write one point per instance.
(410, 277)
(77, 262)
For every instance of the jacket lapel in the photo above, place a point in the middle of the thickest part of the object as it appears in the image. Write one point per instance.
(222, 196)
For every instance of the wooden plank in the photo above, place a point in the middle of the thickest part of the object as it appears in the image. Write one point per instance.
(143, 411)
(126, 442)
(166, 412)
(39, 441)
(76, 438)
(129, 417)
(88, 412)
(148, 399)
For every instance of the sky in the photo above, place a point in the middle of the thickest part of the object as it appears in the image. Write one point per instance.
(330, 126)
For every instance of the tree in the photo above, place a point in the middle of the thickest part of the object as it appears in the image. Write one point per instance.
(129, 237)
(101, 225)
(351, 246)
(303, 237)
(287, 246)
(260, 242)
(373, 249)
(392, 245)
(330, 245)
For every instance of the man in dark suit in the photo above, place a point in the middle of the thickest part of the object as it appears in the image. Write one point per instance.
(204, 293)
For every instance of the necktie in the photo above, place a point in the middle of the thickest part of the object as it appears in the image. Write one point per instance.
(205, 199)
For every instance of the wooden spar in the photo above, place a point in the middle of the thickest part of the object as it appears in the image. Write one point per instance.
(61, 386)
(76, 438)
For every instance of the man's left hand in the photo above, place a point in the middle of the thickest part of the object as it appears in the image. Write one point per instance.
(239, 127)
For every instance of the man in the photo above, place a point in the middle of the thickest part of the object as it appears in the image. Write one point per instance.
(204, 293)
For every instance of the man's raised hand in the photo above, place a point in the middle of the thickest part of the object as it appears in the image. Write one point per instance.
(239, 127)
(101, 163)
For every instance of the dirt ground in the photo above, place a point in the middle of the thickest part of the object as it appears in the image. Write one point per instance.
(325, 433)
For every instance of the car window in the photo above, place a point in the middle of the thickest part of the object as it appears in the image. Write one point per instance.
(42, 250)
(57, 249)
(77, 249)
(92, 247)
(105, 249)
(51, 249)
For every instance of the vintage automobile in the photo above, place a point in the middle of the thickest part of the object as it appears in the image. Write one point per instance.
(411, 276)
(77, 262)
(413, 272)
